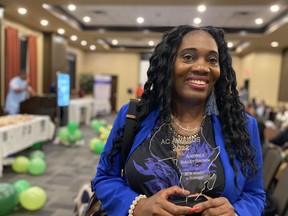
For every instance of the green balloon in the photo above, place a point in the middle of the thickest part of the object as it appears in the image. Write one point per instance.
(98, 146)
(72, 138)
(78, 134)
(33, 198)
(21, 185)
(72, 126)
(8, 198)
(94, 123)
(37, 154)
(63, 134)
(20, 164)
(92, 144)
(37, 145)
(37, 166)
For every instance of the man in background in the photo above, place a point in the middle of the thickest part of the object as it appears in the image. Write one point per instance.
(19, 90)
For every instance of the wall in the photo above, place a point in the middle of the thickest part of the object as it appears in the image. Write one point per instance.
(123, 65)
(264, 75)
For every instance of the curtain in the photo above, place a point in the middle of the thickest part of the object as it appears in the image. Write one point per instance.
(12, 55)
(32, 59)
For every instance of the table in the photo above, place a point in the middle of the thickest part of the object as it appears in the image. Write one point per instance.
(84, 109)
(18, 135)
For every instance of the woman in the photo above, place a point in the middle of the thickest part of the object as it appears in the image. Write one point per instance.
(194, 136)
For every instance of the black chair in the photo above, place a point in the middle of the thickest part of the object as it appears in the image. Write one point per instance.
(280, 193)
(271, 162)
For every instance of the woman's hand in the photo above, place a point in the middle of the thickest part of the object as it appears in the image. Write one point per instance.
(158, 204)
(215, 207)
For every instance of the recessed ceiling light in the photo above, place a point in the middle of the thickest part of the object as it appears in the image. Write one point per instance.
(22, 11)
(83, 43)
(230, 44)
(258, 21)
(197, 20)
(44, 22)
(201, 8)
(86, 19)
(71, 7)
(92, 47)
(114, 42)
(61, 31)
(151, 43)
(46, 6)
(274, 44)
(140, 20)
(73, 37)
(274, 8)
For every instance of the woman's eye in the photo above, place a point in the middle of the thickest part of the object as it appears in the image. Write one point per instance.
(188, 57)
(213, 60)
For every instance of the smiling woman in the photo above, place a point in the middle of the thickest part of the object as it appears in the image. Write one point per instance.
(194, 137)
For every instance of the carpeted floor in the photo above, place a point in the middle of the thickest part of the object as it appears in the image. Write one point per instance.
(68, 168)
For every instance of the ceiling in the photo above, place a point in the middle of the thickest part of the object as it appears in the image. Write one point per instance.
(116, 20)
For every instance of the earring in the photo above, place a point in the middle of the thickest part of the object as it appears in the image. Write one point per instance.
(211, 105)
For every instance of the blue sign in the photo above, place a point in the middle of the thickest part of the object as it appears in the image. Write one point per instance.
(63, 93)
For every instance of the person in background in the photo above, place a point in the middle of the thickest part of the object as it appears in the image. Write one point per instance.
(194, 137)
(139, 91)
(19, 91)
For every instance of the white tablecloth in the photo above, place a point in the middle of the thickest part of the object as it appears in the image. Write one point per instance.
(84, 109)
(19, 136)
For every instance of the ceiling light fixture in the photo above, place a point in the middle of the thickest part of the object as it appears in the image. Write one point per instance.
(86, 19)
(83, 43)
(140, 20)
(92, 47)
(258, 21)
(274, 8)
(61, 31)
(274, 44)
(71, 7)
(73, 37)
(114, 42)
(46, 6)
(22, 11)
(151, 43)
(201, 8)
(230, 44)
(44, 22)
(197, 20)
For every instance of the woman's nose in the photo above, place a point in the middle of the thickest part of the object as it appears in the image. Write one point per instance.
(201, 68)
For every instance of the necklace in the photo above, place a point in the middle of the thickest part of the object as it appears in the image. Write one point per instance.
(188, 129)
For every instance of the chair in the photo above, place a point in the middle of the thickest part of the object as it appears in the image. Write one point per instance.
(271, 162)
(280, 193)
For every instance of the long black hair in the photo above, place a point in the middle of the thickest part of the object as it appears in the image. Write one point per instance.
(158, 89)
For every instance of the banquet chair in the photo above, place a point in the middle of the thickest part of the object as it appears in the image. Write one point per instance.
(271, 162)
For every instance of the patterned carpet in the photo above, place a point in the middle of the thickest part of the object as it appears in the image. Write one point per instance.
(68, 168)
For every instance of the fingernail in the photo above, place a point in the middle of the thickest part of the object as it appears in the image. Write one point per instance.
(196, 208)
(191, 211)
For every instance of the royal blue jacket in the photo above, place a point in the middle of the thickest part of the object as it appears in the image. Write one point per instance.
(116, 196)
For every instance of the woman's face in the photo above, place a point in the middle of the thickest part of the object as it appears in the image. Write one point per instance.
(196, 67)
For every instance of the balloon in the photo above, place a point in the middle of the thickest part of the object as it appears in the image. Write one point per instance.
(8, 198)
(78, 134)
(98, 145)
(63, 134)
(20, 164)
(37, 154)
(72, 138)
(72, 126)
(33, 198)
(37, 145)
(94, 123)
(37, 166)
(92, 143)
(21, 185)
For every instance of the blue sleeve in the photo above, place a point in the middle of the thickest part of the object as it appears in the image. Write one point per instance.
(252, 199)
(116, 196)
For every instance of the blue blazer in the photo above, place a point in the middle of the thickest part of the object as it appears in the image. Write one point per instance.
(116, 196)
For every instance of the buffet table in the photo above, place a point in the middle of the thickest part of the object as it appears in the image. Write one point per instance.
(18, 132)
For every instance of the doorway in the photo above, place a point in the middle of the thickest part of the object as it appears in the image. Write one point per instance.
(113, 98)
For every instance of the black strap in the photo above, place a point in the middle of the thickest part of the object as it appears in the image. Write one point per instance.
(130, 130)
